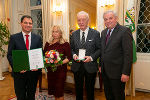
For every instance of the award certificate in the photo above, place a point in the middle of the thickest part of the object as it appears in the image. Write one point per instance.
(82, 54)
(35, 59)
(27, 59)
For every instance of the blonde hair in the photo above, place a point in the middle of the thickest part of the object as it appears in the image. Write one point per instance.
(61, 31)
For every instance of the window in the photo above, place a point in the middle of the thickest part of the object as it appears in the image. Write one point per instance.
(143, 28)
(36, 14)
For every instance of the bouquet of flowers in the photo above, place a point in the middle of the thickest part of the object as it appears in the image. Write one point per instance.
(53, 59)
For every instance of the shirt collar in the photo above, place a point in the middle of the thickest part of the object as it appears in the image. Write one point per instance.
(86, 30)
(26, 34)
(111, 30)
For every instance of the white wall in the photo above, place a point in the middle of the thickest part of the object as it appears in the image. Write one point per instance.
(142, 72)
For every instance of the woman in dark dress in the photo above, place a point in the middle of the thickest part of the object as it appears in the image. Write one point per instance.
(57, 78)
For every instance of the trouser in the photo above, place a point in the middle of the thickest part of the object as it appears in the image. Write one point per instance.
(25, 85)
(79, 77)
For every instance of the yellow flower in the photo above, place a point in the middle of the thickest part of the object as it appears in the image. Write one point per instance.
(51, 56)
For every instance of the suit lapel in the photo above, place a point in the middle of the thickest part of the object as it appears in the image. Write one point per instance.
(112, 35)
(78, 38)
(87, 39)
(89, 35)
(21, 40)
(32, 40)
(104, 38)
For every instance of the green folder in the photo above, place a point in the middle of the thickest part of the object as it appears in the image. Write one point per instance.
(20, 60)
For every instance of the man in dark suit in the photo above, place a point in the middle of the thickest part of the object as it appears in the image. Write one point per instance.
(116, 57)
(88, 40)
(25, 82)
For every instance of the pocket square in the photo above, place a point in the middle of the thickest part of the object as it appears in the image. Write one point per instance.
(90, 40)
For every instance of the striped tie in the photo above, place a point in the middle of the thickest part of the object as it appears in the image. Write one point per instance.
(83, 39)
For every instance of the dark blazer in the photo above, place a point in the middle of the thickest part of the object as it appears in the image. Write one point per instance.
(92, 46)
(117, 55)
(17, 43)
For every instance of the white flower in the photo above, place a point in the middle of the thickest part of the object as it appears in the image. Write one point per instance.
(58, 58)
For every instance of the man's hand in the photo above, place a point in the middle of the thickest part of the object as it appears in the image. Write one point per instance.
(124, 78)
(34, 70)
(75, 57)
(23, 71)
(87, 59)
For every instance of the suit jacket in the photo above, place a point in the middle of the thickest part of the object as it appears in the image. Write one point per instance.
(116, 56)
(92, 46)
(17, 43)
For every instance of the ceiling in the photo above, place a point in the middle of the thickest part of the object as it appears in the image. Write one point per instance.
(91, 2)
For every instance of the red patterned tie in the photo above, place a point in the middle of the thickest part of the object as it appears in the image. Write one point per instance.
(107, 36)
(27, 42)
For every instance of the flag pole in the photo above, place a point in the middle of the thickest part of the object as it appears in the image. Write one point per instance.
(132, 82)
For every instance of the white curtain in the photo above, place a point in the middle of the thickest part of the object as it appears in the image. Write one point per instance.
(100, 22)
(49, 18)
(117, 7)
(62, 19)
(137, 9)
(46, 19)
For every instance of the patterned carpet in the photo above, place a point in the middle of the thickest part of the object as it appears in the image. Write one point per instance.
(44, 96)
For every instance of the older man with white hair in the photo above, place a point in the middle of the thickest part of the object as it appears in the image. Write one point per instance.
(116, 56)
(85, 45)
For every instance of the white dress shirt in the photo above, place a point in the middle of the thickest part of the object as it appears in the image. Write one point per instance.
(86, 33)
(111, 31)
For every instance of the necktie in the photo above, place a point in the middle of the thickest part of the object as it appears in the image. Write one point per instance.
(107, 36)
(83, 39)
(27, 42)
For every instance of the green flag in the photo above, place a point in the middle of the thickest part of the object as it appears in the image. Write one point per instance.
(130, 22)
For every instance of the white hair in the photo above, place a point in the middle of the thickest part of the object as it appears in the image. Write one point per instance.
(110, 11)
(83, 13)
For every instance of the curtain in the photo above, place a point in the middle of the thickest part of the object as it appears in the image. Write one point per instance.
(49, 18)
(100, 10)
(46, 19)
(137, 11)
(46, 22)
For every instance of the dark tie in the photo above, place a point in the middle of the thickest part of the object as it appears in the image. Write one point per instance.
(83, 39)
(27, 42)
(107, 36)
